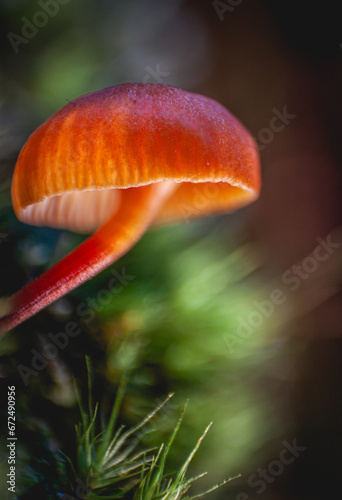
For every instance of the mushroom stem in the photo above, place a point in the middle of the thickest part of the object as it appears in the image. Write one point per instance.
(105, 246)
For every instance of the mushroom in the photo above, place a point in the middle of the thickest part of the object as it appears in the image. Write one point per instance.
(116, 161)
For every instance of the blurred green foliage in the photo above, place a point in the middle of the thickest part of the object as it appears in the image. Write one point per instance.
(169, 330)
(173, 327)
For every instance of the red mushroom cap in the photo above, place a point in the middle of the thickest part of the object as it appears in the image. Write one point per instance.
(72, 167)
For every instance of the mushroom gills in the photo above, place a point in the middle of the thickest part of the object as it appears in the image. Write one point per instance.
(77, 211)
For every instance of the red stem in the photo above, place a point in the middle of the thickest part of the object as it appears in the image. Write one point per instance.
(105, 246)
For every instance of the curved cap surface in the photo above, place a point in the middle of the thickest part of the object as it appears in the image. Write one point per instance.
(73, 170)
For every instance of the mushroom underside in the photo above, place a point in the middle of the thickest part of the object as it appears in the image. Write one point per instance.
(85, 211)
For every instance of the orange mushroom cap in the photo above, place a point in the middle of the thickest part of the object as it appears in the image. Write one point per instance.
(119, 160)
(70, 171)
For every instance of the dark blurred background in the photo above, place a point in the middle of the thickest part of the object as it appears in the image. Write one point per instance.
(262, 60)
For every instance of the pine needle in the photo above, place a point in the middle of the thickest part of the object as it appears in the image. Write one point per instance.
(110, 464)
